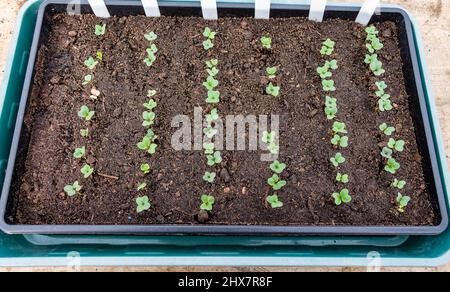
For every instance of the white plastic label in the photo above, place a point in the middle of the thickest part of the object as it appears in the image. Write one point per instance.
(99, 8)
(262, 9)
(317, 10)
(209, 9)
(367, 10)
(151, 8)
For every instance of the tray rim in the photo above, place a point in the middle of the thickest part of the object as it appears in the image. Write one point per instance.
(175, 229)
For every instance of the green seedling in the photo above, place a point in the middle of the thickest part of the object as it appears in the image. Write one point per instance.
(147, 145)
(337, 160)
(384, 103)
(84, 133)
(210, 132)
(87, 79)
(273, 148)
(145, 168)
(340, 141)
(398, 145)
(388, 131)
(371, 59)
(87, 171)
(386, 152)
(91, 63)
(342, 197)
(333, 64)
(149, 118)
(399, 184)
(215, 158)
(402, 202)
(141, 187)
(207, 203)
(150, 105)
(152, 50)
(266, 42)
(100, 29)
(339, 128)
(330, 107)
(273, 90)
(85, 113)
(79, 152)
(276, 182)
(374, 46)
(212, 116)
(213, 97)
(327, 47)
(371, 31)
(381, 86)
(392, 166)
(342, 178)
(377, 68)
(277, 167)
(269, 137)
(151, 135)
(274, 201)
(211, 83)
(324, 72)
(150, 60)
(209, 177)
(209, 34)
(208, 44)
(212, 63)
(151, 93)
(208, 148)
(151, 36)
(272, 72)
(99, 55)
(328, 85)
(213, 71)
(143, 204)
(72, 190)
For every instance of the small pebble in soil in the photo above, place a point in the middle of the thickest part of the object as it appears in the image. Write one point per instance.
(387, 33)
(293, 179)
(225, 175)
(160, 218)
(226, 190)
(117, 112)
(202, 216)
(72, 33)
(55, 80)
(95, 92)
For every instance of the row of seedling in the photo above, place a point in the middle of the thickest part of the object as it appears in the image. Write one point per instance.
(373, 45)
(148, 142)
(339, 138)
(272, 88)
(213, 156)
(86, 114)
(271, 139)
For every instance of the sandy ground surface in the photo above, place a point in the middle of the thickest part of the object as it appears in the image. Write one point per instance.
(433, 17)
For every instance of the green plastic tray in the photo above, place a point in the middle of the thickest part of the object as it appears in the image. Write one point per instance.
(37, 250)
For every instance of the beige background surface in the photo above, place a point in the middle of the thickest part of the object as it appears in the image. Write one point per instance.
(433, 17)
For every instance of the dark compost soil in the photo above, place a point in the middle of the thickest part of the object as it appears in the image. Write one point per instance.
(51, 126)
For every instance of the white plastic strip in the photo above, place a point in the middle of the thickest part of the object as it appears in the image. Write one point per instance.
(209, 9)
(151, 8)
(367, 10)
(99, 8)
(262, 9)
(317, 10)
